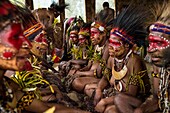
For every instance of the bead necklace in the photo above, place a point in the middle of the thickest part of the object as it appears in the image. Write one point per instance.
(119, 64)
(163, 90)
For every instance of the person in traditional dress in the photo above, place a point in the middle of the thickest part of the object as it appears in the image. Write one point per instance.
(82, 53)
(15, 49)
(159, 49)
(14, 53)
(126, 72)
(86, 79)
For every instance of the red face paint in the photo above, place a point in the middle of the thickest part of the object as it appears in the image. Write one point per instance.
(115, 43)
(95, 37)
(74, 38)
(157, 42)
(94, 32)
(12, 36)
(82, 39)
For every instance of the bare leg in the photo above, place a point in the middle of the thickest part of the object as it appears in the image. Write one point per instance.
(110, 109)
(126, 103)
(89, 89)
(79, 83)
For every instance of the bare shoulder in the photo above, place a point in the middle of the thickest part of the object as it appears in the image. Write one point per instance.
(135, 58)
(137, 62)
(110, 62)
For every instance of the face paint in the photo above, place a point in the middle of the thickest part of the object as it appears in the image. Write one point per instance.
(17, 62)
(82, 40)
(95, 37)
(158, 44)
(115, 43)
(12, 42)
(116, 47)
(157, 41)
(12, 36)
(94, 32)
(74, 38)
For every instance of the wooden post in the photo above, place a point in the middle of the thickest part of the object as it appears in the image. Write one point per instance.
(116, 8)
(29, 3)
(62, 15)
(90, 10)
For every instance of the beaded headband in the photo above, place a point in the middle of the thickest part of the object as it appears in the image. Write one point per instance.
(33, 31)
(160, 28)
(121, 34)
(98, 26)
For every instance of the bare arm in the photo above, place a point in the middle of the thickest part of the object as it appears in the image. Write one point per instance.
(101, 85)
(42, 106)
(104, 82)
(149, 106)
(151, 103)
(79, 61)
(135, 66)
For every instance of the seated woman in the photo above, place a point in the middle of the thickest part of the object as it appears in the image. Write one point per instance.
(126, 72)
(15, 51)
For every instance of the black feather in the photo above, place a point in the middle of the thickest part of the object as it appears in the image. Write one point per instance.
(132, 20)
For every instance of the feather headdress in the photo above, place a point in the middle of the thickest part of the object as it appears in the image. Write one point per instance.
(161, 12)
(103, 22)
(130, 24)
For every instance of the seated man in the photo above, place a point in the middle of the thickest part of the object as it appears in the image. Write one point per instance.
(159, 48)
(126, 72)
(15, 51)
(85, 80)
(82, 52)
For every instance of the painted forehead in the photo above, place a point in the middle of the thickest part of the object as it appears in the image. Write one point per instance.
(12, 35)
(115, 37)
(94, 29)
(122, 35)
(99, 26)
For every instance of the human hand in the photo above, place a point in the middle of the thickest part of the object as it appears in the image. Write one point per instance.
(98, 96)
(100, 107)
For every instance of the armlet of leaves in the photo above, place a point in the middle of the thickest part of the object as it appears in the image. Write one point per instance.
(29, 81)
(34, 61)
(137, 80)
(107, 73)
(90, 52)
(76, 52)
(97, 57)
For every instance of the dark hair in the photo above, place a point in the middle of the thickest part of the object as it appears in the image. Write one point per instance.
(75, 28)
(105, 4)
